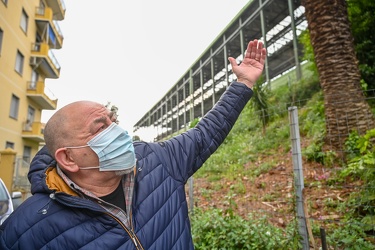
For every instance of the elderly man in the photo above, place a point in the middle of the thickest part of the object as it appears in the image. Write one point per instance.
(96, 189)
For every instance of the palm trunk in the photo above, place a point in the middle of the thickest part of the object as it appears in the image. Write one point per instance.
(346, 108)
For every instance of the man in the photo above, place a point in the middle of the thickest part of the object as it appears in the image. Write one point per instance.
(102, 191)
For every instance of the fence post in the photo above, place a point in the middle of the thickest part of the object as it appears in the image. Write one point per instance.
(298, 175)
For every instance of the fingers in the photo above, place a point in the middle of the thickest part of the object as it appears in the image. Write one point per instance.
(258, 52)
(253, 48)
(255, 51)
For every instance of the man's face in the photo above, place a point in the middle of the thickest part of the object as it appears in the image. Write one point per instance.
(88, 121)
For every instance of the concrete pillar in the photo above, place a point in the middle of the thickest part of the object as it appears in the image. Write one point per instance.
(7, 162)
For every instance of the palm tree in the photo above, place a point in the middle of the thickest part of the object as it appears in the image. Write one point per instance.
(346, 108)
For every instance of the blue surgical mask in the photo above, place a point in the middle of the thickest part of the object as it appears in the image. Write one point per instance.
(114, 148)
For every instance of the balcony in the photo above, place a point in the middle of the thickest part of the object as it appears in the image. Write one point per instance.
(33, 131)
(48, 27)
(58, 8)
(44, 61)
(36, 92)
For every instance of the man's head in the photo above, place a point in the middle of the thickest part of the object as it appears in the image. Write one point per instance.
(75, 124)
(68, 132)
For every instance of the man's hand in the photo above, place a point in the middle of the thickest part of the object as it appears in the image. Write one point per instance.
(252, 65)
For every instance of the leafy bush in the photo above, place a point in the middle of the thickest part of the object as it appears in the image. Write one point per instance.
(349, 236)
(361, 16)
(361, 157)
(217, 229)
(361, 166)
(312, 118)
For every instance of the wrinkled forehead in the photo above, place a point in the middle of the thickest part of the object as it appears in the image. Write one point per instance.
(86, 120)
(84, 113)
(94, 112)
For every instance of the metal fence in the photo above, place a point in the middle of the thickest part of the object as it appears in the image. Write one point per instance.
(20, 181)
(294, 185)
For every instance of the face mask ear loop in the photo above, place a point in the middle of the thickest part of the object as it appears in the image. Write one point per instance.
(87, 168)
(77, 146)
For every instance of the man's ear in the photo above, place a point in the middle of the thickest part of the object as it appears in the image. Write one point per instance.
(65, 160)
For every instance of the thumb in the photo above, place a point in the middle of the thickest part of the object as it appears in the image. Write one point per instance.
(232, 62)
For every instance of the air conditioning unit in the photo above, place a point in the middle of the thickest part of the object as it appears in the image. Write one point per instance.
(33, 61)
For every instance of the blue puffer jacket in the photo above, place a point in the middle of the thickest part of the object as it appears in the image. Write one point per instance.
(56, 218)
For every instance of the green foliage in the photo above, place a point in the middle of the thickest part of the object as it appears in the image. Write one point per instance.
(238, 187)
(194, 123)
(361, 157)
(278, 136)
(362, 18)
(349, 236)
(351, 145)
(308, 52)
(263, 168)
(313, 152)
(218, 229)
(312, 118)
(361, 166)
(297, 93)
(259, 102)
(247, 138)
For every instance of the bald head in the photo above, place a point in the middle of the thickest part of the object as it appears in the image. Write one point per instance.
(66, 126)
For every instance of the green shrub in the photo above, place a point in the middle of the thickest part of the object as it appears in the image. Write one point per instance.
(349, 236)
(217, 229)
(361, 166)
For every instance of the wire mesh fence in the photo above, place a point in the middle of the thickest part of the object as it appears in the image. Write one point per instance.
(20, 180)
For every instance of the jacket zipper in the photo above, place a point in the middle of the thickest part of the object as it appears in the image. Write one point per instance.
(135, 238)
(131, 233)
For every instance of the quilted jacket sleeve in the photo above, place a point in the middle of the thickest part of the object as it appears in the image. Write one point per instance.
(184, 154)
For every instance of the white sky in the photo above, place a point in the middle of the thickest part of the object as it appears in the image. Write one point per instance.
(130, 53)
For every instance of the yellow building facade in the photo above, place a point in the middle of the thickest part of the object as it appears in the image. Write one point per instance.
(29, 32)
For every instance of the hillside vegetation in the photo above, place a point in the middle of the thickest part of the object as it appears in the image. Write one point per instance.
(244, 194)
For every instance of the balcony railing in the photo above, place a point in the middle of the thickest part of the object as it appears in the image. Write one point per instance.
(58, 7)
(37, 92)
(43, 59)
(33, 131)
(48, 26)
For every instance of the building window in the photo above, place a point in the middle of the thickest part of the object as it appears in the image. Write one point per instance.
(34, 80)
(30, 118)
(19, 62)
(9, 144)
(24, 21)
(5, 2)
(14, 105)
(1, 39)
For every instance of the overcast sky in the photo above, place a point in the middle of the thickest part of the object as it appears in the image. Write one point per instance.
(130, 53)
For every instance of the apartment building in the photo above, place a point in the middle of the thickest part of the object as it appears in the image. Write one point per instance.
(29, 32)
